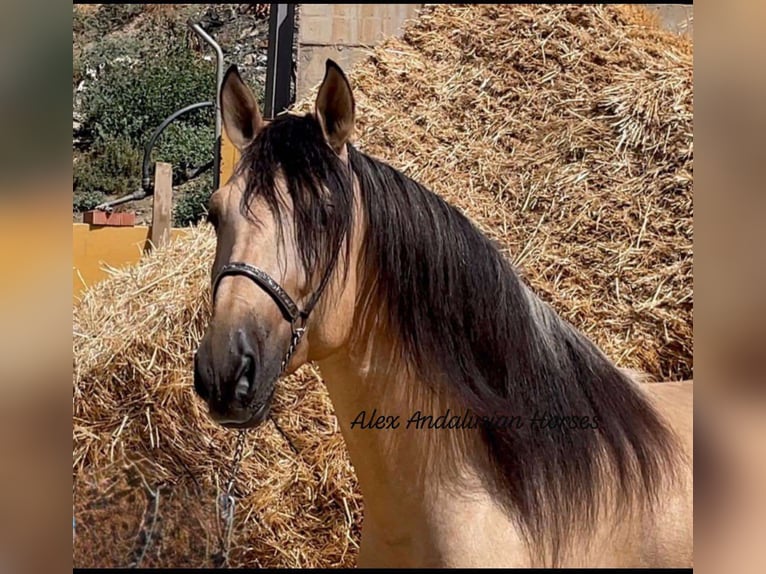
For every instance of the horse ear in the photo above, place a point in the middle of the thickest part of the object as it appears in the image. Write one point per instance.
(239, 110)
(335, 107)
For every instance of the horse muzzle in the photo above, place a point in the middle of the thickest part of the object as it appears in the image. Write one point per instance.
(237, 389)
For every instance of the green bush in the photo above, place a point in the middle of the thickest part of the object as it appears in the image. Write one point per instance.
(141, 79)
(103, 53)
(191, 205)
(85, 177)
(113, 168)
(185, 145)
(79, 21)
(87, 200)
(130, 99)
(78, 70)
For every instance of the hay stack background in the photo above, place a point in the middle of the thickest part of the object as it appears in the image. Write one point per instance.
(564, 132)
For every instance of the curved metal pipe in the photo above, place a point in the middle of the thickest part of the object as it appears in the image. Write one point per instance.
(219, 63)
(218, 71)
(146, 170)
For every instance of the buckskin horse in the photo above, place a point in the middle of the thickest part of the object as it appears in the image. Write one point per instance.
(326, 254)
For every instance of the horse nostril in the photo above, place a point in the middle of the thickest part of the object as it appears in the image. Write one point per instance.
(199, 385)
(246, 378)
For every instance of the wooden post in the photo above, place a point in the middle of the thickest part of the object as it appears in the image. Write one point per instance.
(162, 205)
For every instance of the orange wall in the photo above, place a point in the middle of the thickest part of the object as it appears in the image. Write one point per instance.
(94, 245)
(229, 158)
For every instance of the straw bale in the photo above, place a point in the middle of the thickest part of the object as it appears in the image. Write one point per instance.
(564, 132)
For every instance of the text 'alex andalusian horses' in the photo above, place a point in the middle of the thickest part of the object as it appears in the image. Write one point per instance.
(484, 429)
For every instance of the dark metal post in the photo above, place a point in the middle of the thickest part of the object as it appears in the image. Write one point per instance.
(279, 62)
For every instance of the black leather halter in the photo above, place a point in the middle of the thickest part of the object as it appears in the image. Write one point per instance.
(290, 310)
(264, 281)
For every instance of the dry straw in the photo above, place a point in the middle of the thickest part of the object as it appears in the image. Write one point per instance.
(564, 132)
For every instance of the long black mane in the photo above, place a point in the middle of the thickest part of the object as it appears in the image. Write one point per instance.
(465, 319)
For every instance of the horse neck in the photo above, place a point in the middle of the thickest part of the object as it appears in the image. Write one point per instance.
(414, 481)
(426, 500)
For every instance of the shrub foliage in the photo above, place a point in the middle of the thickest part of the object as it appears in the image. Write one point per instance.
(131, 84)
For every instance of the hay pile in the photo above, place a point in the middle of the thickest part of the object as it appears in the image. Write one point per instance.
(137, 425)
(564, 132)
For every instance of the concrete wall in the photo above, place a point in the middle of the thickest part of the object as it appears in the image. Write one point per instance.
(342, 32)
(678, 18)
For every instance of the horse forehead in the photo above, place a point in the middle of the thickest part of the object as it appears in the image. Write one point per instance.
(227, 200)
(234, 189)
(231, 193)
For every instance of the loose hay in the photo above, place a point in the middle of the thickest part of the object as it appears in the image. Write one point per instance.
(564, 132)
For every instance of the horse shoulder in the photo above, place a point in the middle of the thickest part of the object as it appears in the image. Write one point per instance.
(672, 543)
(675, 402)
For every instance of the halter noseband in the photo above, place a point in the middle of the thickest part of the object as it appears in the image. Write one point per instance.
(264, 281)
(290, 310)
